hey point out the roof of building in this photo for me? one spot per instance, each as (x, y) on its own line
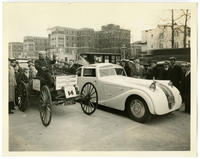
(104, 65)
(99, 53)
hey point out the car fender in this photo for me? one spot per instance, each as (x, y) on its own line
(118, 102)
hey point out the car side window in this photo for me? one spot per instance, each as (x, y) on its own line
(120, 71)
(89, 72)
(78, 72)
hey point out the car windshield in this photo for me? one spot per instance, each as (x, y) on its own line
(120, 71)
(107, 72)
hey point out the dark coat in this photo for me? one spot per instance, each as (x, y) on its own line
(186, 90)
(39, 64)
(153, 73)
(165, 74)
(176, 76)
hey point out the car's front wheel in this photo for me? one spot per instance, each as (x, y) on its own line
(137, 109)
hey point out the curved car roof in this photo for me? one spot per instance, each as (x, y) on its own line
(99, 65)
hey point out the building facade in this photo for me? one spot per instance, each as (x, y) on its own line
(68, 43)
(15, 49)
(138, 48)
(32, 45)
(112, 38)
(161, 37)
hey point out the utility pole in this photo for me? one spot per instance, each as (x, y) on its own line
(185, 29)
(172, 28)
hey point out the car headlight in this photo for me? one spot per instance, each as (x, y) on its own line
(170, 84)
(153, 86)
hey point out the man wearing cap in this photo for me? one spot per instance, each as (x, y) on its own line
(153, 72)
(139, 71)
(186, 89)
(32, 70)
(165, 73)
(42, 66)
(12, 85)
(176, 73)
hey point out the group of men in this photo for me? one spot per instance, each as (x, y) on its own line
(170, 71)
(43, 69)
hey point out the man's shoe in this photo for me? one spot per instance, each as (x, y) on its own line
(13, 108)
(11, 112)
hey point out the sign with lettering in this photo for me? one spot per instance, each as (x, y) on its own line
(36, 84)
(70, 91)
(63, 81)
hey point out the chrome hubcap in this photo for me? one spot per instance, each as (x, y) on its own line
(137, 108)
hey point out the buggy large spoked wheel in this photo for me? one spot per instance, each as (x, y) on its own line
(22, 97)
(45, 107)
(89, 99)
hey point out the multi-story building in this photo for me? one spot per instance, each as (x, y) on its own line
(32, 45)
(68, 43)
(138, 48)
(161, 37)
(112, 38)
(15, 49)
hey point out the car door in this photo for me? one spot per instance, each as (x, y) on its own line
(86, 75)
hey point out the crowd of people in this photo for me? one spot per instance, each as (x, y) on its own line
(170, 70)
(44, 68)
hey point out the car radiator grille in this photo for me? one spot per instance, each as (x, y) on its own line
(169, 95)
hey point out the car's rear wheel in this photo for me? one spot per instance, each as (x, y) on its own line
(137, 109)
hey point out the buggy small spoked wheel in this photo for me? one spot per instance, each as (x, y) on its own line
(22, 99)
(89, 98)
(45, 107)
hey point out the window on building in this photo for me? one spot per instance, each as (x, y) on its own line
(176, 45)
(151, 46)
(176, 33)
(161, 35)
(161, 45)
(152, 35)
(188, 43)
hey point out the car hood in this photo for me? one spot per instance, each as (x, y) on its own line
(130, 82)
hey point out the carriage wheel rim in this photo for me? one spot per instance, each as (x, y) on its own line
(137, 108)
(89, 95)
(45, 109)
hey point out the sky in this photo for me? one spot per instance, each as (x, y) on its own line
(33, 19)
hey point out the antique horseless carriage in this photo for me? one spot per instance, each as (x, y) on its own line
(64, 91)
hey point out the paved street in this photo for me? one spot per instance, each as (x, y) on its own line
(105, 130)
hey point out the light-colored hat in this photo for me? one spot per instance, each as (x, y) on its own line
(172, 58)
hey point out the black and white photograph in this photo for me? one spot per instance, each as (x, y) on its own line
(99, 77)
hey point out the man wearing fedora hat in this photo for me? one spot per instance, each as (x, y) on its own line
(186, 88)
(176, 73)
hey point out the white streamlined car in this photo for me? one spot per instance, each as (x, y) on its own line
(108, 85)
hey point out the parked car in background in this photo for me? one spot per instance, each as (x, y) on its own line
(140, 98)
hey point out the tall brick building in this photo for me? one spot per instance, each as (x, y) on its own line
(32, 45)
(15, 49)
(111, 38)
(67, 43)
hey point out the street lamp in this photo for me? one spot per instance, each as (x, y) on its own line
(123, 49)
